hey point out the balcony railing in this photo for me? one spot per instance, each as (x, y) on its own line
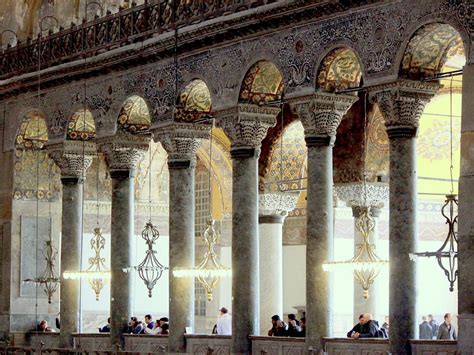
(114, 30)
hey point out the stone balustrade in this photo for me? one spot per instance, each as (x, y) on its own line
(99, 342)
(208, 344)
(146, 343)
(277, 345)
(349, 346)
(433, 347)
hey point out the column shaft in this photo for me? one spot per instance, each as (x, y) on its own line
(71, 234)
(182, 240)
(245, 285)
(319, 244)
(403, 229)
(122, 230)
(271, 269)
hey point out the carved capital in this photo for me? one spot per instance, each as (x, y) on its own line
(247, 125)
(72, 157)
(123, 151)
(402, 103)
(181, 141)
(358, 194)
(277, 203)
(321, 114)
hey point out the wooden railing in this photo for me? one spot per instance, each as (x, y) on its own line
(114, 30)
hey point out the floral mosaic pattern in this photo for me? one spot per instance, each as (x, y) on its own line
(263, 83)
(134, 115)
(194, 102)
(340, 70)
(33, 132)
(377, 156)
(81, 126)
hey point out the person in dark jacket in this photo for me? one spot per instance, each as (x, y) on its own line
(356, 328)
(368, 328)
(294, 328)
(426, 332)
(279, 328)
(434, 325)
(303, 327)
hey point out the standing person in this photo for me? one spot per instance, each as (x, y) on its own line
(149, 322)
(293, 326)
(426, 332)
(386, 324)
(224, 322)
(446, 330)
(279, 327)
(434, 325)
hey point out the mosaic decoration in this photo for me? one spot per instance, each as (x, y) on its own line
(33, 132)
(81, 126)
(377, 155)
(340, 70)
(292, 163)
(428, 50)
(134, 115)
(263, 83)
(194, 102)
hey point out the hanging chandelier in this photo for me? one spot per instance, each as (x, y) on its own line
(49, 279)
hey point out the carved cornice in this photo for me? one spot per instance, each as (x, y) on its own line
(321, 114)
(247, 125)
(278, 204)
(181, 141)
(402, 103)
(123, 151)
(358, 194)
(72, 157)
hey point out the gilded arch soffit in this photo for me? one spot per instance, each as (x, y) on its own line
(134, 115)
(194, 102)
(339, 70)
(33, 132)
(262, 83)
(81, 126)
(428, 50)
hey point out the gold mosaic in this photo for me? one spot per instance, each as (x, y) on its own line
(134, 115)
(81, 126)
(263, 83)
(339, 70)
(194, 102)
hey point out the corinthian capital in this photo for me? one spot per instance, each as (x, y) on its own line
(276, 204)
(123, 151)
(181, 141)
(247, 125)
(72, 157)
(402, 103)
(321, 114)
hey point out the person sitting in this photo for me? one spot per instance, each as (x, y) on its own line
(136, 325)
(356, 328)
(149, 322)
(368, 328)
(105, 328)
(224, 322)
(302, 333)
(279, 328)
(43, 327)
(293, 326)
(165, 329)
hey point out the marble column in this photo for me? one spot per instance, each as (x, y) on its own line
(122, 153)
(273, 208)
(402, 103)
(246, 125)
(181, 141)
(360, 196)
(73, 158)
(466, 224)
(320, 114)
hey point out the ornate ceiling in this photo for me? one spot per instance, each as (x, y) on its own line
(81, 126)
(194, 102)
(262, 83)
(134, 115)
(428, 50)
(33, 132)
(340, 70)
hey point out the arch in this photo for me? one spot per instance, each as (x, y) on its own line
(194, 102)
(134, 115)
(262, 83)
(339, 69)
(33, 131)
(81, 126)
(428, 48)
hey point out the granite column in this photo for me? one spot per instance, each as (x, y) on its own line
(402, 104)
(73, 159)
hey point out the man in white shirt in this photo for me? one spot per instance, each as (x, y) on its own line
(224, 322)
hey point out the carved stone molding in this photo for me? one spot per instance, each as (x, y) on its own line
(402, 103)
(72, 157)
(181, 141)
(321, 113)
(247, 124)
(358, 194)
(123, 151)
(280, 204)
